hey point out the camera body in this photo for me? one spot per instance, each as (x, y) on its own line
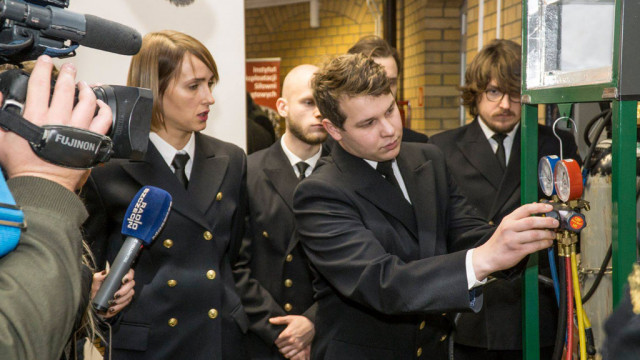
(31, 28)
(131, 108)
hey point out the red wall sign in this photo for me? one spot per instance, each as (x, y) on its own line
(263, 80)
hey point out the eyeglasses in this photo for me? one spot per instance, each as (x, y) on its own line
(495, 95)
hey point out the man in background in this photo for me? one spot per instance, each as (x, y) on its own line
(281, 309)
(386, 56)
(484, 159)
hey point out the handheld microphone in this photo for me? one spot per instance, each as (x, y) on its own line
(144, 219)
(89, 30)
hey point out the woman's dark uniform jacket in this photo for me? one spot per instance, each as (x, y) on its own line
(387, 270)
(185, 306)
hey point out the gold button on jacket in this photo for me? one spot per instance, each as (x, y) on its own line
(211, 274)
(213, 313)
(167, 243)
(207, 235)
(173, 322)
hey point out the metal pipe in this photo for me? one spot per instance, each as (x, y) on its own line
(480, 24)
(314, 13)
(373, 9)
(389, 16)
(498, 17)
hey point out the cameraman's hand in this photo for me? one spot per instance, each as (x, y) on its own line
(16, 155)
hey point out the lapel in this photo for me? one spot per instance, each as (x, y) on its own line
(153, 170)
(511, 180)
(418, 178)
(370, 185)
(207, 175)
(280, 174)
(475, 147)
(288, 182)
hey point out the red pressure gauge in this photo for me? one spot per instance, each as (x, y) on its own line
(568, 180)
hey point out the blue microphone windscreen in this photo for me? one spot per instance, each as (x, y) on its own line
(146, 214)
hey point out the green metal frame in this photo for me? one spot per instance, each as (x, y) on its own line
(624, 119)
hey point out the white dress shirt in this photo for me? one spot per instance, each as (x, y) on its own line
(168, 152)
(294, 159)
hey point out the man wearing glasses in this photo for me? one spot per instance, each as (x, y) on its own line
(484, 159)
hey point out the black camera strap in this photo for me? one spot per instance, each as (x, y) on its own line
(58, 144)
(17, 124)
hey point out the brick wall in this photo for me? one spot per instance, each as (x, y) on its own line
(431, 45)
(284, 31)
(431, 51)
(510, 23)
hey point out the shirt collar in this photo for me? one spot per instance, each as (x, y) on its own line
(488, 133)
(294, 159)
(168, 152)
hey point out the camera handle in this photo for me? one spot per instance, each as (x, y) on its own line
(58, 144)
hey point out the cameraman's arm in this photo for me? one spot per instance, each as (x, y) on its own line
(40, 287)
(40, 280)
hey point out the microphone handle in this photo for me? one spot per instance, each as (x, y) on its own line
(118, 270)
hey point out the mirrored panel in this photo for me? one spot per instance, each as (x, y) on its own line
(569, 42)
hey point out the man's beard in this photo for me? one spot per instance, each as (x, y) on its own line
(315, 139)
(501, 129)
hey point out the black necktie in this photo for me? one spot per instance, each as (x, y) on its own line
(302, 168)
(384, 168)
(179, 163)
(500, 155)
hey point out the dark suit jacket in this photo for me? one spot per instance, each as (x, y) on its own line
(272, 252)
(196, 248)
(260, 133)
(409, 135)
(623, 329)
(475, 168)
(387, 270)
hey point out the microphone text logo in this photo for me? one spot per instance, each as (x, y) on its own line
(134, 220)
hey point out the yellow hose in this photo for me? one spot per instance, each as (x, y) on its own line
(578, 301)
(585, 318)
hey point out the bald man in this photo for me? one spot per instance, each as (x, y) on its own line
(280, 298)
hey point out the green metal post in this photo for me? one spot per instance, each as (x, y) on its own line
(623, 234)
(529, 194)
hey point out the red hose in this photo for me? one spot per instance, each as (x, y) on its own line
(569, 309)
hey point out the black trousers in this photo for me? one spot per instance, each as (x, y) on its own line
(462, 352)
